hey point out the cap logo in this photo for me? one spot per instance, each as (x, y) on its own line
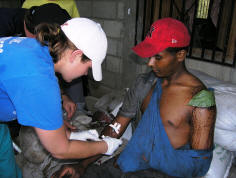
(174, 41)
(150, 31)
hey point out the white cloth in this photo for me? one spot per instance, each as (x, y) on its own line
(85, 135)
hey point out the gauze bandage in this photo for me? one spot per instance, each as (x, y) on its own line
(116, 127)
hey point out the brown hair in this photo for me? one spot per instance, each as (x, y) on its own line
(52, 36)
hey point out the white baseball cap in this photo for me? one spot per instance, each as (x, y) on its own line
(89, 37)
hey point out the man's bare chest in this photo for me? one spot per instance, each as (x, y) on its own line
(174, 109)
(173, 106)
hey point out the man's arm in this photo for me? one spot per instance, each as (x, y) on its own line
(203, 124)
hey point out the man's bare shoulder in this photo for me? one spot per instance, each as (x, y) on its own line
(191, 84)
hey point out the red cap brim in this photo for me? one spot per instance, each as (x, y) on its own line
(146, 50)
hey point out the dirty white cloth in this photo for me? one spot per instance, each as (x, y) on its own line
(91, 134)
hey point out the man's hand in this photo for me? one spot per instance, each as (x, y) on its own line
(69, 106)
(72, 171)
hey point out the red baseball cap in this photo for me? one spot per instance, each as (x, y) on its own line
(164, 33)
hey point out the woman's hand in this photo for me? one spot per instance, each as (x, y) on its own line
(69, 106)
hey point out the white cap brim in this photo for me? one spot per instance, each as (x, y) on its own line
(97, 70)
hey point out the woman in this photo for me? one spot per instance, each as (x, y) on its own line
(29, 90)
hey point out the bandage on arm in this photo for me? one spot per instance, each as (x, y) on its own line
(117, 127)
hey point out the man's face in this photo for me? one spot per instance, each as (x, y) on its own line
(163, 64)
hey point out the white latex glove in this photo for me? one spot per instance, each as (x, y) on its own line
(85, 135)
(112, 144)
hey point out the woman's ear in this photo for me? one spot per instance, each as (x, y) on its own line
(181, 55)
(76, 53)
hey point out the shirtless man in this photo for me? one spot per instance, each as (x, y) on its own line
(175, 133)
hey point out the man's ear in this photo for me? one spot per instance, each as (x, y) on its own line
(181, 55)
(75, 53)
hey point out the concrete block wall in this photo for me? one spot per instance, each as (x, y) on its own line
(121, 66)
(117, 17)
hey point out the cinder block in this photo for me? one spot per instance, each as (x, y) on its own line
(115, 47)
(119, 48)
(111, 80)
(121, 10)
(113, 28)
(112, 46)
(113, 64)
(85, 8)
(104, 9)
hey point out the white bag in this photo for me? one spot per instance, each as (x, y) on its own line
(221, 163)
(225, 138)
(226, 112)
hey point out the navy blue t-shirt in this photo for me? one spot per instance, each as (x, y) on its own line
(29, 89)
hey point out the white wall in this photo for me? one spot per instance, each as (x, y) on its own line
(220, 72)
